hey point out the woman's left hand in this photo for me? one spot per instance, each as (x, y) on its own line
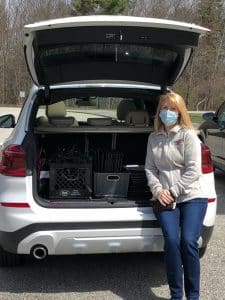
(164, 196)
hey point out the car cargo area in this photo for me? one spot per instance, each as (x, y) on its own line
(91, 168)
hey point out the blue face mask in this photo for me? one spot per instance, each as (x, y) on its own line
(168, 117)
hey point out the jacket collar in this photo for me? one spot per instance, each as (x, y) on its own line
(174, 130)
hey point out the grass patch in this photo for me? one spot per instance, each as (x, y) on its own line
(196, 118)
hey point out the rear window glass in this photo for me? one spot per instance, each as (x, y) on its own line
(106, 61)
(97, 107)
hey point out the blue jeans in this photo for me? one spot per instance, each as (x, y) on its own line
(181, 229)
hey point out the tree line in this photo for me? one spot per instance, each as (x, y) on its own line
(203, 81)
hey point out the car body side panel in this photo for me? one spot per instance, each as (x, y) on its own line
(215, 139)
(208, 185)
(213, 129)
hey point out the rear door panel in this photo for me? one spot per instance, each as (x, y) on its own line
(109, 48)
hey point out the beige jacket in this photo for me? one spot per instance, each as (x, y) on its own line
(173, 162)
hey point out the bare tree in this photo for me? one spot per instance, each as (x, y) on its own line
(3, 49)
(14, 15)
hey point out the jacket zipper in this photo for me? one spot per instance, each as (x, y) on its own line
(170, 166)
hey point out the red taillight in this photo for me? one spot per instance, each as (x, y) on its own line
(13, 161)
(210, 200)
(15, 204)
(207, 164)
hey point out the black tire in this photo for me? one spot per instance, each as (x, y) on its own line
(202, 251)
(9, 259)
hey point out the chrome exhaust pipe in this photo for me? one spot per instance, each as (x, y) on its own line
(39, 252)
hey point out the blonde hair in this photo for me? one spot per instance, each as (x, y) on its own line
(177, 101)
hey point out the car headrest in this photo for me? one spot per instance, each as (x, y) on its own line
(56, 110)
(124, 107)
(137, 118)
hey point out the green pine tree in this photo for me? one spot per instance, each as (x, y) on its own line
(87, 7)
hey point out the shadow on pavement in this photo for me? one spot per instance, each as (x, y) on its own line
(130, 276)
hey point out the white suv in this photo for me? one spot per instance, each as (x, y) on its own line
(72, 174)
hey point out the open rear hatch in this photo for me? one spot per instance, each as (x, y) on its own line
(120, 48)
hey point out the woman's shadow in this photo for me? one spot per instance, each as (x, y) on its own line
(129, 276)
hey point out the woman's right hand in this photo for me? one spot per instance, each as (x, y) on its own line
(164, 196)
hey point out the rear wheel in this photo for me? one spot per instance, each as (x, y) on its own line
(9, 259)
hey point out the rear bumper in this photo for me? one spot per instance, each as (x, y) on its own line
(90, 238)
(53, 235)
(66, 243)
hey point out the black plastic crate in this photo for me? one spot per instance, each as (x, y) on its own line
(111, 184)
(70, 180)
(138, 187)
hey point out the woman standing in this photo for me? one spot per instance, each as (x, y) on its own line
(173, 169)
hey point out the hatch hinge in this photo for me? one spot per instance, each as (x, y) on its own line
(164, 89)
